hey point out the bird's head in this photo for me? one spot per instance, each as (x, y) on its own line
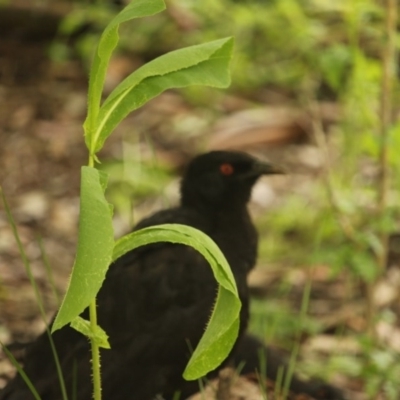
(220, 178)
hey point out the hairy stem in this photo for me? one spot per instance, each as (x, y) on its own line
(95, 353)
(94, 346)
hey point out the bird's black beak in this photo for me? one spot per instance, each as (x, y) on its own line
(262, 168)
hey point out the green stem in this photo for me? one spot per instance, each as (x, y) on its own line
(389, 58)
(91, 160)
(94, 346)
(95, 353)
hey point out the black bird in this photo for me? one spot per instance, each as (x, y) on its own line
(156, 300)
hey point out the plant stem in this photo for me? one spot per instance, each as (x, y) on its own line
(95, 353)
(321, 141)
(389, 59)
(94, 346)
(91, 160)
(344, 223)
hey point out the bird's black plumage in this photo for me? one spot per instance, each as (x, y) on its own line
(156, 300)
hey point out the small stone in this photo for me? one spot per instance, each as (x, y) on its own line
(33, 205)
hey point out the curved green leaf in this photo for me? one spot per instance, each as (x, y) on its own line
(108, 42)
(95, 246)
(219, 336)
(205, 64)
(222, 329)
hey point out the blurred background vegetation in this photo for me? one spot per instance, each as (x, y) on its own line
(307, 79)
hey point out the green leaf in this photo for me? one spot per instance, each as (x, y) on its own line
(95, 246)
(94, 333)
(205, 64)
(107, 43)
(222, 329)
(218, 338)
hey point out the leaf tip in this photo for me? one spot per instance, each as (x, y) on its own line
(56, 325)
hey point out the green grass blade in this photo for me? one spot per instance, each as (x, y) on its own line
(37, 294)
(20, 370)
(290, 370)
(49, 272)
(23, 255)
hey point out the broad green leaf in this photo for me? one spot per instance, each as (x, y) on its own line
(178, 60)
(94, 333)
(205, 64)
(222, 329)
(108, 42)
(95, 246)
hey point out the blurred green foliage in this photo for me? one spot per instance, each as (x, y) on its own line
(132, 180)
(280, 43)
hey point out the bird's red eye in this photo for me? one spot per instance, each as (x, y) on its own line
(226, 169)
